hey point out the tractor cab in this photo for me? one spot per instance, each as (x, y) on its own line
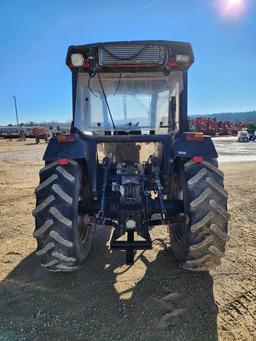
(129, 87)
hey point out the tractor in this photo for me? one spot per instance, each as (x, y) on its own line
(130, 162)
(41, 134)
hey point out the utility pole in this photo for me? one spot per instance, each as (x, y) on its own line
(16, 110)
(17, 119)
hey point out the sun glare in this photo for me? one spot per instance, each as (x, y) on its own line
(232, 8)
(234, 3)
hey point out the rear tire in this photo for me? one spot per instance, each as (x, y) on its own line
(63, 238)
(199, 244)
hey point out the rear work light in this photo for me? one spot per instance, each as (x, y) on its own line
(62, 138)
(182, 58)
(77, 59)
(198, 136)
(179, 59)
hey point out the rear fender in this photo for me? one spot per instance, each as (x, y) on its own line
(76, 150)
(185, 148)
(68, 150)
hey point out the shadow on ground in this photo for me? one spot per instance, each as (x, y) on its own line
(162, 302)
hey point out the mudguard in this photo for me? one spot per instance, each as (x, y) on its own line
(70, 150)
(78, 149)
(185, 148)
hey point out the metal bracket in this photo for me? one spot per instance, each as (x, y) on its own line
(130, 245)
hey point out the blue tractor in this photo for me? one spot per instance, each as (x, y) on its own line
(130, 161)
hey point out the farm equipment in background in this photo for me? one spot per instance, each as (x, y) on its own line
(12, 133)
(207, 126)
(130, 162)
(41, 134)
(212, 127)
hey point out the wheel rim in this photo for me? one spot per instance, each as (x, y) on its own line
(179, 229)
(83, 228)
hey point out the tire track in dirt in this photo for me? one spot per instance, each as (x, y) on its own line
(240, 314)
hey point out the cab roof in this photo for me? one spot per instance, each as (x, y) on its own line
(168, 48)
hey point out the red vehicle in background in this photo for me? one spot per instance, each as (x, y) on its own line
(210, 126)
(206, 125)
(41, 134)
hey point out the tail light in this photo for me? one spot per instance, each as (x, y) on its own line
(198, 159)
(86, 63)
(173, 63)
(63, 161)
(197, 136)
(63, 138)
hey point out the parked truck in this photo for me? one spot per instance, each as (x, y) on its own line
(243, 136)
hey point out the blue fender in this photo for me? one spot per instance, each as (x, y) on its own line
(185, 148)
(78, 149)
(70, 150)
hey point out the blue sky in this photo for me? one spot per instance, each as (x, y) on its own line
(35, 34)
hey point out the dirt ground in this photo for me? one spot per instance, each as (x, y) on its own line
(107, 300)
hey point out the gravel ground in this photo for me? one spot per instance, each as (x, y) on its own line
(107, 300)
(230, 150)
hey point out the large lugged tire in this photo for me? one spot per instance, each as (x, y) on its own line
(62, 236)
(200, 243)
